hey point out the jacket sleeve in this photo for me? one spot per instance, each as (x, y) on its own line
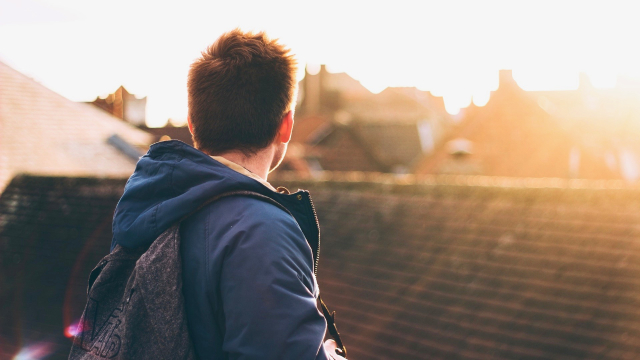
(269, 292)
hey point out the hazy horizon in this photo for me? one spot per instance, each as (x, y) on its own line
(454, 49)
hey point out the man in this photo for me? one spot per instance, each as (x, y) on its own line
(248, 265)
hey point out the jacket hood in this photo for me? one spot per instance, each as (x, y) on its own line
(171, 181)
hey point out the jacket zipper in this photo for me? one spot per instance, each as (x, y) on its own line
(315, 217)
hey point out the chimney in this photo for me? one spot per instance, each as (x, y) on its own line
(313, 91)
(505, 78)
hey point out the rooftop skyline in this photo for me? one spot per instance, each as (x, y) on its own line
(454, 49)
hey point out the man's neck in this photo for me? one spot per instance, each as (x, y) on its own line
(258, 164)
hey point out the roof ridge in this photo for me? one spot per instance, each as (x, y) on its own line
(82, 105)
(484, 181)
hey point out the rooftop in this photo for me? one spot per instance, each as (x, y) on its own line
(416, 266)
(514, 134)
(480, 268)
(42, 132)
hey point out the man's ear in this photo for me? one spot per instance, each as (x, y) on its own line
(284, 134)
(190, 125)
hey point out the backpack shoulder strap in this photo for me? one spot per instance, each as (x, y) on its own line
(240, 193)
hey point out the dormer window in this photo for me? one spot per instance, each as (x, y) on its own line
(460, 147)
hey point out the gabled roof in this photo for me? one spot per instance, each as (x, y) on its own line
(341, 82)
(45, 133)
(342, 149)
(384, 132)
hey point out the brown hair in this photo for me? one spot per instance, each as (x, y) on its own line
(239, 91)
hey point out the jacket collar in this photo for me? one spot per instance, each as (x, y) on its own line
(242, 170)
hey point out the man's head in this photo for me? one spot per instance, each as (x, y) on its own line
(241, 90)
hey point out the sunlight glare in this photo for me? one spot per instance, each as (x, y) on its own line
(452, 109)
(302, 71)
(155, 122)
(178, 122)
(313, 69)
(455, 101)
(334, 69)
(72, 330)
(546, 78)
(453, 51)
(375, 86)
(34, 352)
(481, 98)
(602, 79)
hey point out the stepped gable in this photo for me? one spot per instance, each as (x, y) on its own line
(53, 231)
(42, 132)
(513, 135)
(502, 269)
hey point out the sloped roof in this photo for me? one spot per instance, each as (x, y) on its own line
(344, 150)
(439, 267)
(45, 133)
(392, 144)
(384, 131)
(432, 102)
(364, 146)
(481, 272)
(392, 105)
(310, 129)
(349, 87)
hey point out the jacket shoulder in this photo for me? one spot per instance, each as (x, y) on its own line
(251, 209)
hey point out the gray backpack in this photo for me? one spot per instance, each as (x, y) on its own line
(135, 306)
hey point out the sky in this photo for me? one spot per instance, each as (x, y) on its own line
(85, 48)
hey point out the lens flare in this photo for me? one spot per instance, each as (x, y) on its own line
(34, 352)
(72, 330)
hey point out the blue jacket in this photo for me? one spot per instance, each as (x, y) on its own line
(248, 266)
